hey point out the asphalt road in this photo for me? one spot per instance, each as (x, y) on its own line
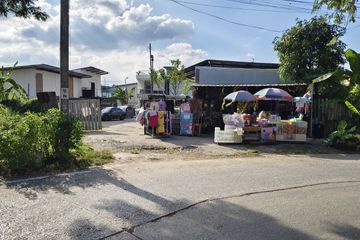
(268, 197)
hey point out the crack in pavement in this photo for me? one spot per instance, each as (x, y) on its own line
(173, 213)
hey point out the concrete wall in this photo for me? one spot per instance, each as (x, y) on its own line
(26, 79)
(86, 82)
(216, 75)
(51, 82)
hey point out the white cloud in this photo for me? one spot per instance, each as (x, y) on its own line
(108, 24)
(109, 34)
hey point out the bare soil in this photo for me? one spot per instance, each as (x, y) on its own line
(128, 142)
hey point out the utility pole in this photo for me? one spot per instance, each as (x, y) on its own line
(151, 68)
(126, 91)
(64, 55)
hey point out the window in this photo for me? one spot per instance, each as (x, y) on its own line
(147, 85)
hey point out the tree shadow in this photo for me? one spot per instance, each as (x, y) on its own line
(219, 220)
(346, 231)
(92, 178)
(86, 229)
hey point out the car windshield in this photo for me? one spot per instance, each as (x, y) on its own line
(106, 110)
(123, 108)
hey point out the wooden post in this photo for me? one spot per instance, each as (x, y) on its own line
(64, 55)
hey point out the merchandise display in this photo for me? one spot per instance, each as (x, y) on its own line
(292, 130)
(186, 123)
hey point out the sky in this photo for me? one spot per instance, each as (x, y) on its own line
(113, 35)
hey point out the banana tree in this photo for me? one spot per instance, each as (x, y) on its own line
(9, 89)
(348, 78)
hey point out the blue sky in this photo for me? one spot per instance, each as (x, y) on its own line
(114, 34)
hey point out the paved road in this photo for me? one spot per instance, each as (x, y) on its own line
(269, 197)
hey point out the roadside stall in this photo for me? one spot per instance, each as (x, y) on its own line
(265, 127)
(234, 123)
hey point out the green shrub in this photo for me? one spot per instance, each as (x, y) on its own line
(31, 141)
(24, 144)
(22, 106)
(65, 134)
(344, 138)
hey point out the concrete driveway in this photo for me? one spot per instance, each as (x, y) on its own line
(261, 197)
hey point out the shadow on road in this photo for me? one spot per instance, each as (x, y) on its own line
(64, 183)
(346, 231)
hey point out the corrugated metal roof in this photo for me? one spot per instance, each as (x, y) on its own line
(251, 85)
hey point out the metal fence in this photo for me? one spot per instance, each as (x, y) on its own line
(88, 111)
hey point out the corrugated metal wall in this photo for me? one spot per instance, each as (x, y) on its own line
(212, 75)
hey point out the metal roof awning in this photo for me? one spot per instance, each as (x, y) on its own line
(251, 85)
(95, 70)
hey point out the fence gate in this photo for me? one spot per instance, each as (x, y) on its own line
(87, 111)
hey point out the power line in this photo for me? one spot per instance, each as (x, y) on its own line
(234, 8)
(270, 5)
(224, 19)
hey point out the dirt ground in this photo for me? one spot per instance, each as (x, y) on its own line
(128, 142)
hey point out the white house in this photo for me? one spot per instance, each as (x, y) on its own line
(46, 78)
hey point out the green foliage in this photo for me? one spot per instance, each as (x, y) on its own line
(175, 76)
(22, 106)
(343, 10)
(344, 138)
(86, 156)
(352, 108)
(348, 81)
(64, 134)
(9, 89)
(22, 8)
(31, 141)
(304, 52)
(123, 95)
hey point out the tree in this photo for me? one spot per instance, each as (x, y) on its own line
(9, 89)
(123, 95)
(22, 8)
(304, 52)
(344, 10)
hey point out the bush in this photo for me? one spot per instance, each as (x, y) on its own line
(343, 138)
(64, 132)
(31, 141)
(22, 106)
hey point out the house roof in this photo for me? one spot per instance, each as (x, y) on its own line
(49, 68)
(190, 71)
(94, 70)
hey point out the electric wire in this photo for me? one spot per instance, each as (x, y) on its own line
(224, 19)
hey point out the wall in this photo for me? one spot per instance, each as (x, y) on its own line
(86, 82)
(26, 79)
(216, 75)
(51, 82)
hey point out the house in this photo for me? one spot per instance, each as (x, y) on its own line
(84, 82)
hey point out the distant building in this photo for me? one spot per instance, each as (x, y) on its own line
(108, 90)
(84, 82)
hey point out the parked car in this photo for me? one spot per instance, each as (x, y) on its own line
(130, 111)
(112, 113)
